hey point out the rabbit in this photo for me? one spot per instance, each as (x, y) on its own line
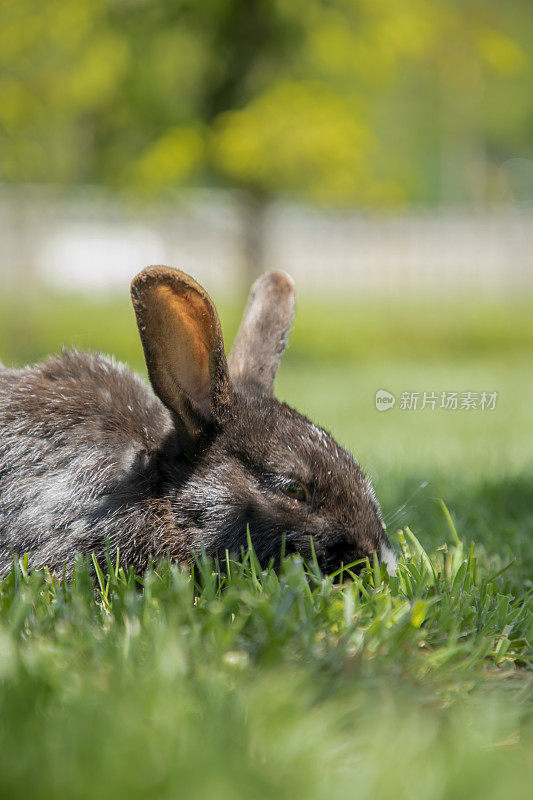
(93, 461)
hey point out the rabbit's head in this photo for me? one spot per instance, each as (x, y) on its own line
(242, 458)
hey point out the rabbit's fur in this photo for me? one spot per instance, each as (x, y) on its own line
(91, 458)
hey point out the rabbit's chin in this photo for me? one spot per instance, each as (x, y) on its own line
(389, 558)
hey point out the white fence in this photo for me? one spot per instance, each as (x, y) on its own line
(92, 240)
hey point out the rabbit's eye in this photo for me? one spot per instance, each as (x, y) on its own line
(294, 490)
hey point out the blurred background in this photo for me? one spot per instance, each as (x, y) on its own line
(363, 144)
(381, 151)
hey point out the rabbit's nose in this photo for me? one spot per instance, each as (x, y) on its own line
(388, 557)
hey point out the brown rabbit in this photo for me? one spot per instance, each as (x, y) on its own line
(91, 458)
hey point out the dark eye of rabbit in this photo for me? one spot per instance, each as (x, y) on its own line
(295, 490)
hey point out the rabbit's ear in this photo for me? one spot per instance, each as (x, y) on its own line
(264, 330)
(183, 346)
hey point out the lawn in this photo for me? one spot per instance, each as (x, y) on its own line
(242, 683)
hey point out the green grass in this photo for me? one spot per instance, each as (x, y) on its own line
(366, 330)
(258, 685)
(241, 683)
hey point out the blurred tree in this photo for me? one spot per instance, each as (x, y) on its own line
(338, 102)
(470, 108)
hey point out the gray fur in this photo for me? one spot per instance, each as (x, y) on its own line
(90, 457)
(264, 331)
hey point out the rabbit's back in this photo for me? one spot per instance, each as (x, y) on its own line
(75, 432)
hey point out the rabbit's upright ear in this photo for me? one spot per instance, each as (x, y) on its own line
(183, 346)
(264, 331)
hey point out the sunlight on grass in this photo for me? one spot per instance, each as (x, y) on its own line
(288, 683)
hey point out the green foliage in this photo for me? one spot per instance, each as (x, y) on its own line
(351, 101)
(318, 141)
